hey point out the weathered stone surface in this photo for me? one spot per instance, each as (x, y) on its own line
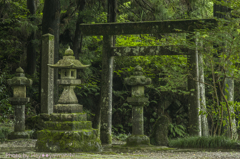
(137, 120)
(47, 74)
(68, 62)
(18, 101)
(36, 123)
(137, 101)
(148, 50)
(68, 125)
(68, 141)
(137, 79)
(19, 135)
(68, 96)
(138, 140)
(68, 108)
(160, 132)
(151, 27)
(68, 131)
(69, 82)
(68, 117)
(19, 80)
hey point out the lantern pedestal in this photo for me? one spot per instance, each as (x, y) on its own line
(68, 129)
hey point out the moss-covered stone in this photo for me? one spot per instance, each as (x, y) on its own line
(36, 123)
(68, 125)
(68, 117)
(160, 132)
(136, 140)
(68, 141)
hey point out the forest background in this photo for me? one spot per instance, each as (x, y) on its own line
(20, 44)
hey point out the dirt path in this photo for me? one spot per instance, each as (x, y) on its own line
(25, 149)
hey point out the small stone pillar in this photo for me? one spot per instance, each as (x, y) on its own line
(68, 129)
(18, 101)
(137, 81)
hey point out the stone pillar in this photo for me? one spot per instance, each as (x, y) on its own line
(193, 86)
(137, 81)
(47, 74)
(19, 100)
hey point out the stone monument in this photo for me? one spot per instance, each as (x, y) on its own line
(47, 74)
(18, 101)
(68, 129)
(159, 135)
(137, 81)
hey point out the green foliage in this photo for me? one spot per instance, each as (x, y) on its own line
(203, 142)
(6, 108)
(4, 131)
(121, 137)
(176, 131)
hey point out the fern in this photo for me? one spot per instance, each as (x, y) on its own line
(177, 131)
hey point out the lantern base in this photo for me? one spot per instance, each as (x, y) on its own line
(84, 140)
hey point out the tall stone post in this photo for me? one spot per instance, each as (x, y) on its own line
(137, 81)
(19, 100)
(47, 74)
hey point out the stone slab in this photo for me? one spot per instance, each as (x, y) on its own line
(68, 108)
(68, 117)
(68, 141)
(68, 125)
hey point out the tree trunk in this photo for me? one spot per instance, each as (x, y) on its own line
(31, 52)
(50, 24)
(204, 121)
(229, 131)
(193, 87)
(106, 82)
(77, 38)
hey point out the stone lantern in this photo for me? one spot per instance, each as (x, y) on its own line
(19, 100)
(68, 129)
(137, 81)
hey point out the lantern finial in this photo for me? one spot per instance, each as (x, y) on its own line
(69, 52)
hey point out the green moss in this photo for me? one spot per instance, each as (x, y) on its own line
(68, 141)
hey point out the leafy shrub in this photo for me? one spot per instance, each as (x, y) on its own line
(176, 131)
(203, 142)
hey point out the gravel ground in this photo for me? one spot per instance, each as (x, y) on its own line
(17, 146)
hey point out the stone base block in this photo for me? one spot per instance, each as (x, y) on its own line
(68, 108)
(68, 117)
(138, 140)
(84, 140)
(19, 135)
(68, 125)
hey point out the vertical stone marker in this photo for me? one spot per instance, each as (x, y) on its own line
(47, 74)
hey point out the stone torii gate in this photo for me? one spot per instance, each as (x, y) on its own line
(162, 27)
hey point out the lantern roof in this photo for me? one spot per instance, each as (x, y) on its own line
(68, 61)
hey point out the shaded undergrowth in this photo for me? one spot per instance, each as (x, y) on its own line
(204, 142)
